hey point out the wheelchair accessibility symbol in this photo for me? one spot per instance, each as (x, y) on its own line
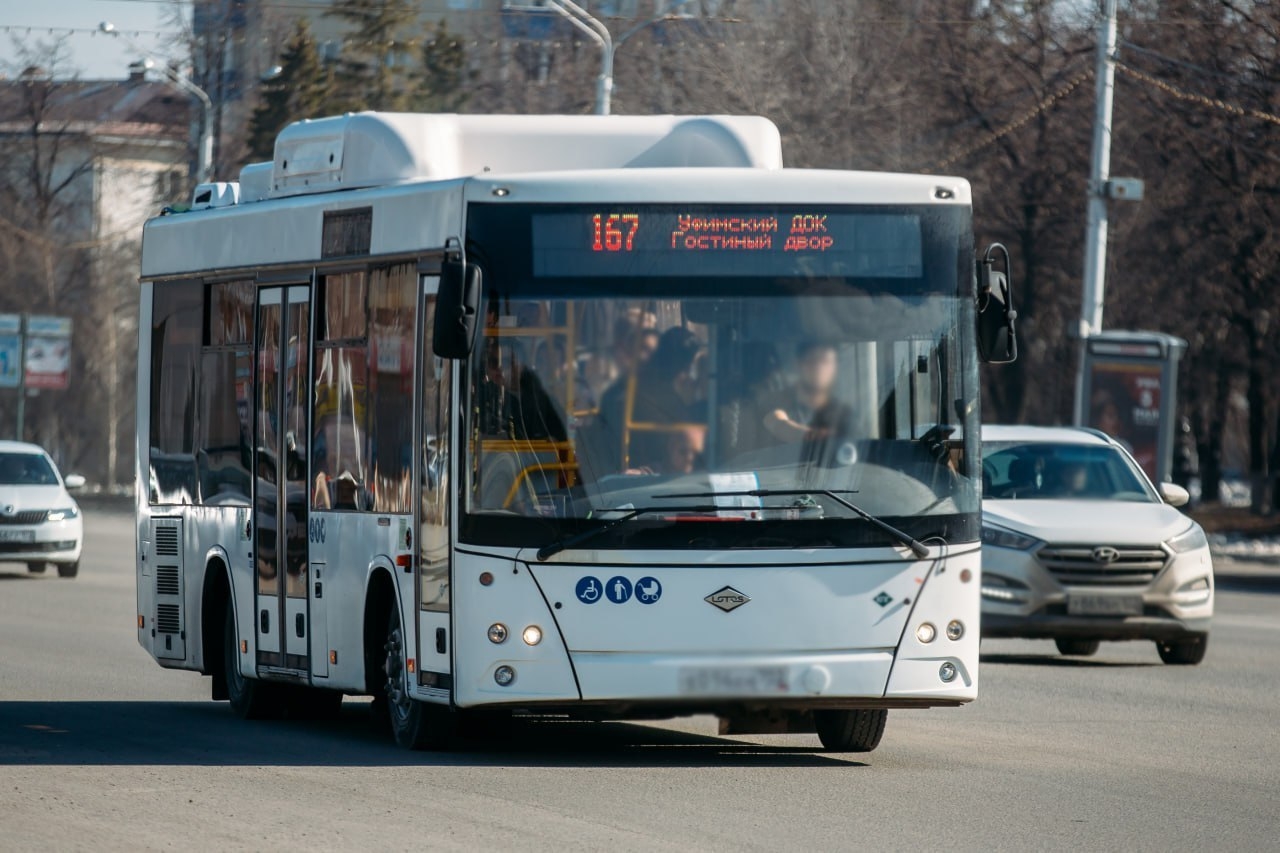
(648, 590)
(589, 590)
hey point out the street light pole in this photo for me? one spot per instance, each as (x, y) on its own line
(204, 151)
(599, 33)
(1095, 251)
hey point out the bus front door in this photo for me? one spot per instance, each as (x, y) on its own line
(435, 647)
(282, 382)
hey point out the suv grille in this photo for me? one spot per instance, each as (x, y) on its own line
(27, 516)
(1083, 565)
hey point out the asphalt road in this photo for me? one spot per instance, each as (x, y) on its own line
(101, 749)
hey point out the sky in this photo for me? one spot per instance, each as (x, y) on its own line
(88, 53)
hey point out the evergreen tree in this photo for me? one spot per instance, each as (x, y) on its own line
(373, 72)
(444, 75)
(302, 89)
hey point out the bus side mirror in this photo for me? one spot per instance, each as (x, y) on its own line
(997, 338)
(457, 310)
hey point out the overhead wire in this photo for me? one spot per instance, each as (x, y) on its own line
(1016, 122)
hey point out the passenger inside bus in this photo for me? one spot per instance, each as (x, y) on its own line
(514, 402)
(665, 390)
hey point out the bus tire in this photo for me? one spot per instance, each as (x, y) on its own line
(37, 568)
(251, 699)
(413, 724)
(856, 730)
(1184, 652)
(1077, 648)
(68, 570)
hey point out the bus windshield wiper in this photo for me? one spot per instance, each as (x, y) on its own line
(550, 550)
(917, 547)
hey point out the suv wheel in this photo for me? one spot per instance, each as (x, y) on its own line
(1184, 652)
(1077, 648)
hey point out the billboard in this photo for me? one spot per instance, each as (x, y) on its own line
(48, 361)
(10, 350)
(1124, 402)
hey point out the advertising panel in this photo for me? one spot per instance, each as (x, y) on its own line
(1124, 402)
(48, 353)
(10, 350)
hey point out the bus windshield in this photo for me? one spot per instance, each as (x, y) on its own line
(742, 382)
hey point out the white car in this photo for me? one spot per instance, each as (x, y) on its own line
(39, 521)
(1079, 547)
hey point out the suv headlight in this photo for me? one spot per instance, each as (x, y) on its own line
(62, 514)
(1191, 539)
(998, 537)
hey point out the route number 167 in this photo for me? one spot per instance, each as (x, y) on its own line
(615, 232)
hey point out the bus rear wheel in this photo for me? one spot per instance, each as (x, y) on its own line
(414, 724)
(251, 699)
(857, 730)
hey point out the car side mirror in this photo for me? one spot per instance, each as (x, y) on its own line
(457, 309)
(1174, 495)
(73, 482)
(997, 338)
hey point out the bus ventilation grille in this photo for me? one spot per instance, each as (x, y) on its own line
(167, 581)
(166, 541)
(168, 620)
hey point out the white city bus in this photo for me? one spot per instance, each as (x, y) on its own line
(598, 417)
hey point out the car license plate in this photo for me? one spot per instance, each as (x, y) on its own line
(1104, 605)
(17, 536)
(734, 681)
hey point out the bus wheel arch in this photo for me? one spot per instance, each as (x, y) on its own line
(413, 724)
(215, 598)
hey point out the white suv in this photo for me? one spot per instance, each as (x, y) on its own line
(39, 522)
(1080, 547)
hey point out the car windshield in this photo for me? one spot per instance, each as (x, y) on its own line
(26, 469)
(1049, 471)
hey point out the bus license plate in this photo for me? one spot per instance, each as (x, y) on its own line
(1104, 605)
(734, 681)
(17, 536)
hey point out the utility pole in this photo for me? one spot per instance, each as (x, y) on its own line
(1095, 236)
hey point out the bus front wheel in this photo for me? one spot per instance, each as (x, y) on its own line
(857, 730)
(414, 725)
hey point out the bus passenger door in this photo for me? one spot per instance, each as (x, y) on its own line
(282, 379)
(431, 510)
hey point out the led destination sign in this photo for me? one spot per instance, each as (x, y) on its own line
(670, 241)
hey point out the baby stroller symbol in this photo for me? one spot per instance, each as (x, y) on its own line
(648, 590)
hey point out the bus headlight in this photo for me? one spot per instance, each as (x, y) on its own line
(926, 632)
(532, 635)
(947, 672)
(504, 676)
(955, 629)
(497, 633)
